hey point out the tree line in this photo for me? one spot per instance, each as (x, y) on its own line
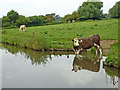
(13, 19)
(88, 10)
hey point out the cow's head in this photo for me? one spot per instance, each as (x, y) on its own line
(75, 42)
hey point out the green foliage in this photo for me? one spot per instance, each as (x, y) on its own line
(112, 59)
(0, 22)
(70, 17)
(9, 21)
(14, 20)
(115, 10)
(35, 21)
(50, 18)
(67, 17)
(12, 15)
(90, 10)
(5, 21)
(24, 39)
(52, 14)
(57, 18)
(22, 20)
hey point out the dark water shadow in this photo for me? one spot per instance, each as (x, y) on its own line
(86, 62)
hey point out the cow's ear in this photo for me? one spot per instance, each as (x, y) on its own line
(72, 39)
(81, 41)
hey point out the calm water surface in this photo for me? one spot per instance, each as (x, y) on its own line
(24, 68)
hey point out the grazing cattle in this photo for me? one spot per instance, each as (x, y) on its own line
(85, 63)
(22, 27)
(73, 21)
(86, 43)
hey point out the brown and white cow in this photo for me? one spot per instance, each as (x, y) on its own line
(22, 27)
(86, 43)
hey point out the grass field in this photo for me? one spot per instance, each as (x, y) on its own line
(60, 36)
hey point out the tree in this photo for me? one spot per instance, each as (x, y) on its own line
(67, 17)
(57, 18)
(36, 20)
(75, 15)
(70, 17)
(13, 16)
(22, 20)
(90, 10)
(50, 17)
(52, 14)
(5, 21)
(115, 11)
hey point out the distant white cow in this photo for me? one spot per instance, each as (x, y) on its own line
(22, 27)
(73, 21)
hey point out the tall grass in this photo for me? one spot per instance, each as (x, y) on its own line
(24, 39)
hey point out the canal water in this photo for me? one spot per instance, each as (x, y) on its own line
(24, 68)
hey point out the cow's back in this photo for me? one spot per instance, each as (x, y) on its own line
(88, 42)
(94, 39)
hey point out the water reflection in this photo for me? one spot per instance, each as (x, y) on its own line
(113, 73)
(59, 68)
(85, 63)
(36, 57)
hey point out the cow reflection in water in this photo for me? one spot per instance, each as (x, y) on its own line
(85, 63)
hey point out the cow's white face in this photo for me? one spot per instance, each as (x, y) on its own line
(75, 42)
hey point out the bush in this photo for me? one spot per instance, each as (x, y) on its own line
(112, 56)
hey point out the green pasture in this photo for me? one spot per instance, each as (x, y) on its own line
(60, 36)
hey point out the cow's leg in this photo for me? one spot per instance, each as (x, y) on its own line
(96, 50)
(99, 47)
(78, 56)
(77, 52)
(20, 29)
(95, 60)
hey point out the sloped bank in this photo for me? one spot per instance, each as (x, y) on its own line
(113, 59)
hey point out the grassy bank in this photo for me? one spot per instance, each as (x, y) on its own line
(60, 36)
(112, 55)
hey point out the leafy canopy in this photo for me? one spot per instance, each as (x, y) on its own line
(90, 10)
(115, 10)
(13, 15)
